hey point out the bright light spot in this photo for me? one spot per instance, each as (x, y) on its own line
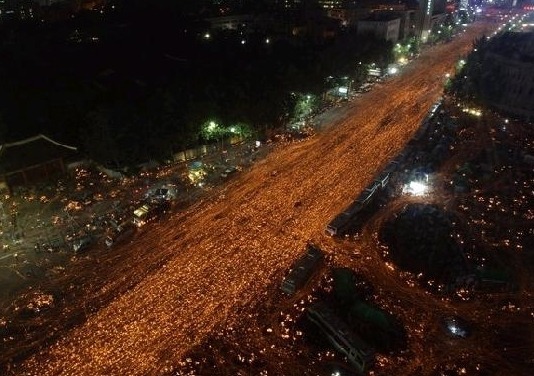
(207, 36)
(393, 70)
(258, 144)
(472, 111)
(416, 188)
(232, 129)
(243, 41)
(267, 41)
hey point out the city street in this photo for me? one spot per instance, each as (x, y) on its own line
(207, 278)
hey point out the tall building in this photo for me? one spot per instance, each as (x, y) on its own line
(508, 74)
(424, 19)
(381, 25)
(440, 6)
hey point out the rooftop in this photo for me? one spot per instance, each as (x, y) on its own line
(32, 151)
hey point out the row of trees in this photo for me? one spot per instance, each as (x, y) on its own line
(141, 92)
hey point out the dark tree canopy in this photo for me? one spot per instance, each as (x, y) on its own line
(138, 83)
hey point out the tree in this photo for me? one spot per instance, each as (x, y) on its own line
(212, 130)
(3, 130)
(99, 139)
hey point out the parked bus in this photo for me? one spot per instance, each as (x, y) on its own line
(359, 354)
(302, 270)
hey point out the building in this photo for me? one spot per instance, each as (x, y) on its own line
(408, 21)
(408, 24)
(32, 160)
(424, 19)
(508, 74)
(382, 25)
(439, 6)
(348, 17)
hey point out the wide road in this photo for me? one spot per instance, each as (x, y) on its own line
(225, 254)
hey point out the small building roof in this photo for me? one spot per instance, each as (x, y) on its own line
(19, 155)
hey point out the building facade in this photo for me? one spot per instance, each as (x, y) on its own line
(508, 78)
(424, 19)
(382, 26)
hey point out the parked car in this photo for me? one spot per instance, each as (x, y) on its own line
(229, 171)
